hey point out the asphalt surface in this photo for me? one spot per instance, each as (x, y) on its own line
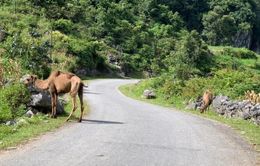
(121, 131)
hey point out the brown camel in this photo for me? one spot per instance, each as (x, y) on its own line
(60, 82)
(207, 100)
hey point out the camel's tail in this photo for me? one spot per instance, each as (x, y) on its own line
(83, 85)
(81, 89)
(80, 93)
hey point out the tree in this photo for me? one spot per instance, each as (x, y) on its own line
(228, 21)
(191, 57)
(190, 11)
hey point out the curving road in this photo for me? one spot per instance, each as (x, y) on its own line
(124, 132)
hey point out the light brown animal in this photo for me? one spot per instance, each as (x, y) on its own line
(60, 82)
(207, 99)
(252, 96)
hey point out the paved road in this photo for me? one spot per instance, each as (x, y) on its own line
(123, 132)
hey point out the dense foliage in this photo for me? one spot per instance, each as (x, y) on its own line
(13, 99)
(228, 21)
(140, 35)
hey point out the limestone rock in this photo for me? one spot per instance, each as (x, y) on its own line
(42, 101)
(149, 94)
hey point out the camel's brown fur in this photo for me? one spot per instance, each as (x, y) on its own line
(60, 82)
(207, 100)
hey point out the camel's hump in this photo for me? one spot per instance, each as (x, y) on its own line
(57, 73)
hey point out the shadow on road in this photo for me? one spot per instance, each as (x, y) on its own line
(95, 93)
(101, 121)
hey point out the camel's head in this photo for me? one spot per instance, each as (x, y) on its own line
(28, 79)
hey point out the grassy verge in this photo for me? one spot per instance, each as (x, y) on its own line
(11, 136)
(247, 129)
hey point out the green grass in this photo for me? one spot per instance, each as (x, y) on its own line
(136, 92)
(11, 136)
(226, 60)
(247, 129)
(216, 50)
(253, 64)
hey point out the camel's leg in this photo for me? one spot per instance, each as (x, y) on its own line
(202, 110)
(55, 105)
(81, 103)
(74, 102)
(201, 107)
(208, 108)
(52, 105)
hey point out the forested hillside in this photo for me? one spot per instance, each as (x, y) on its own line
(38, 36)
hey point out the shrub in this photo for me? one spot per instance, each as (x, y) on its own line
(195, 87)
(10, 71)
(12, 101)
(239, 53)
(228, 62)
(191, 57)
(235, 83)
(5, 113)
(227, 82)
(63, 25)
(87, 52)
(31, 54)
(257, 65)
(171, 88)
(64, 62)
(60, 40)
(4, 130)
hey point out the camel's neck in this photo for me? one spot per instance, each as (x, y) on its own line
(42, 84)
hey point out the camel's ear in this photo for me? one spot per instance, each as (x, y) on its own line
(34, 77)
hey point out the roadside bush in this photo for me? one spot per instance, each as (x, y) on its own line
(228, 82)
(5, 113)
(235, 83)
(12, 101)
(228, 62)
(158, 82)
(4, 130)
(195, 87)
(171, 88)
